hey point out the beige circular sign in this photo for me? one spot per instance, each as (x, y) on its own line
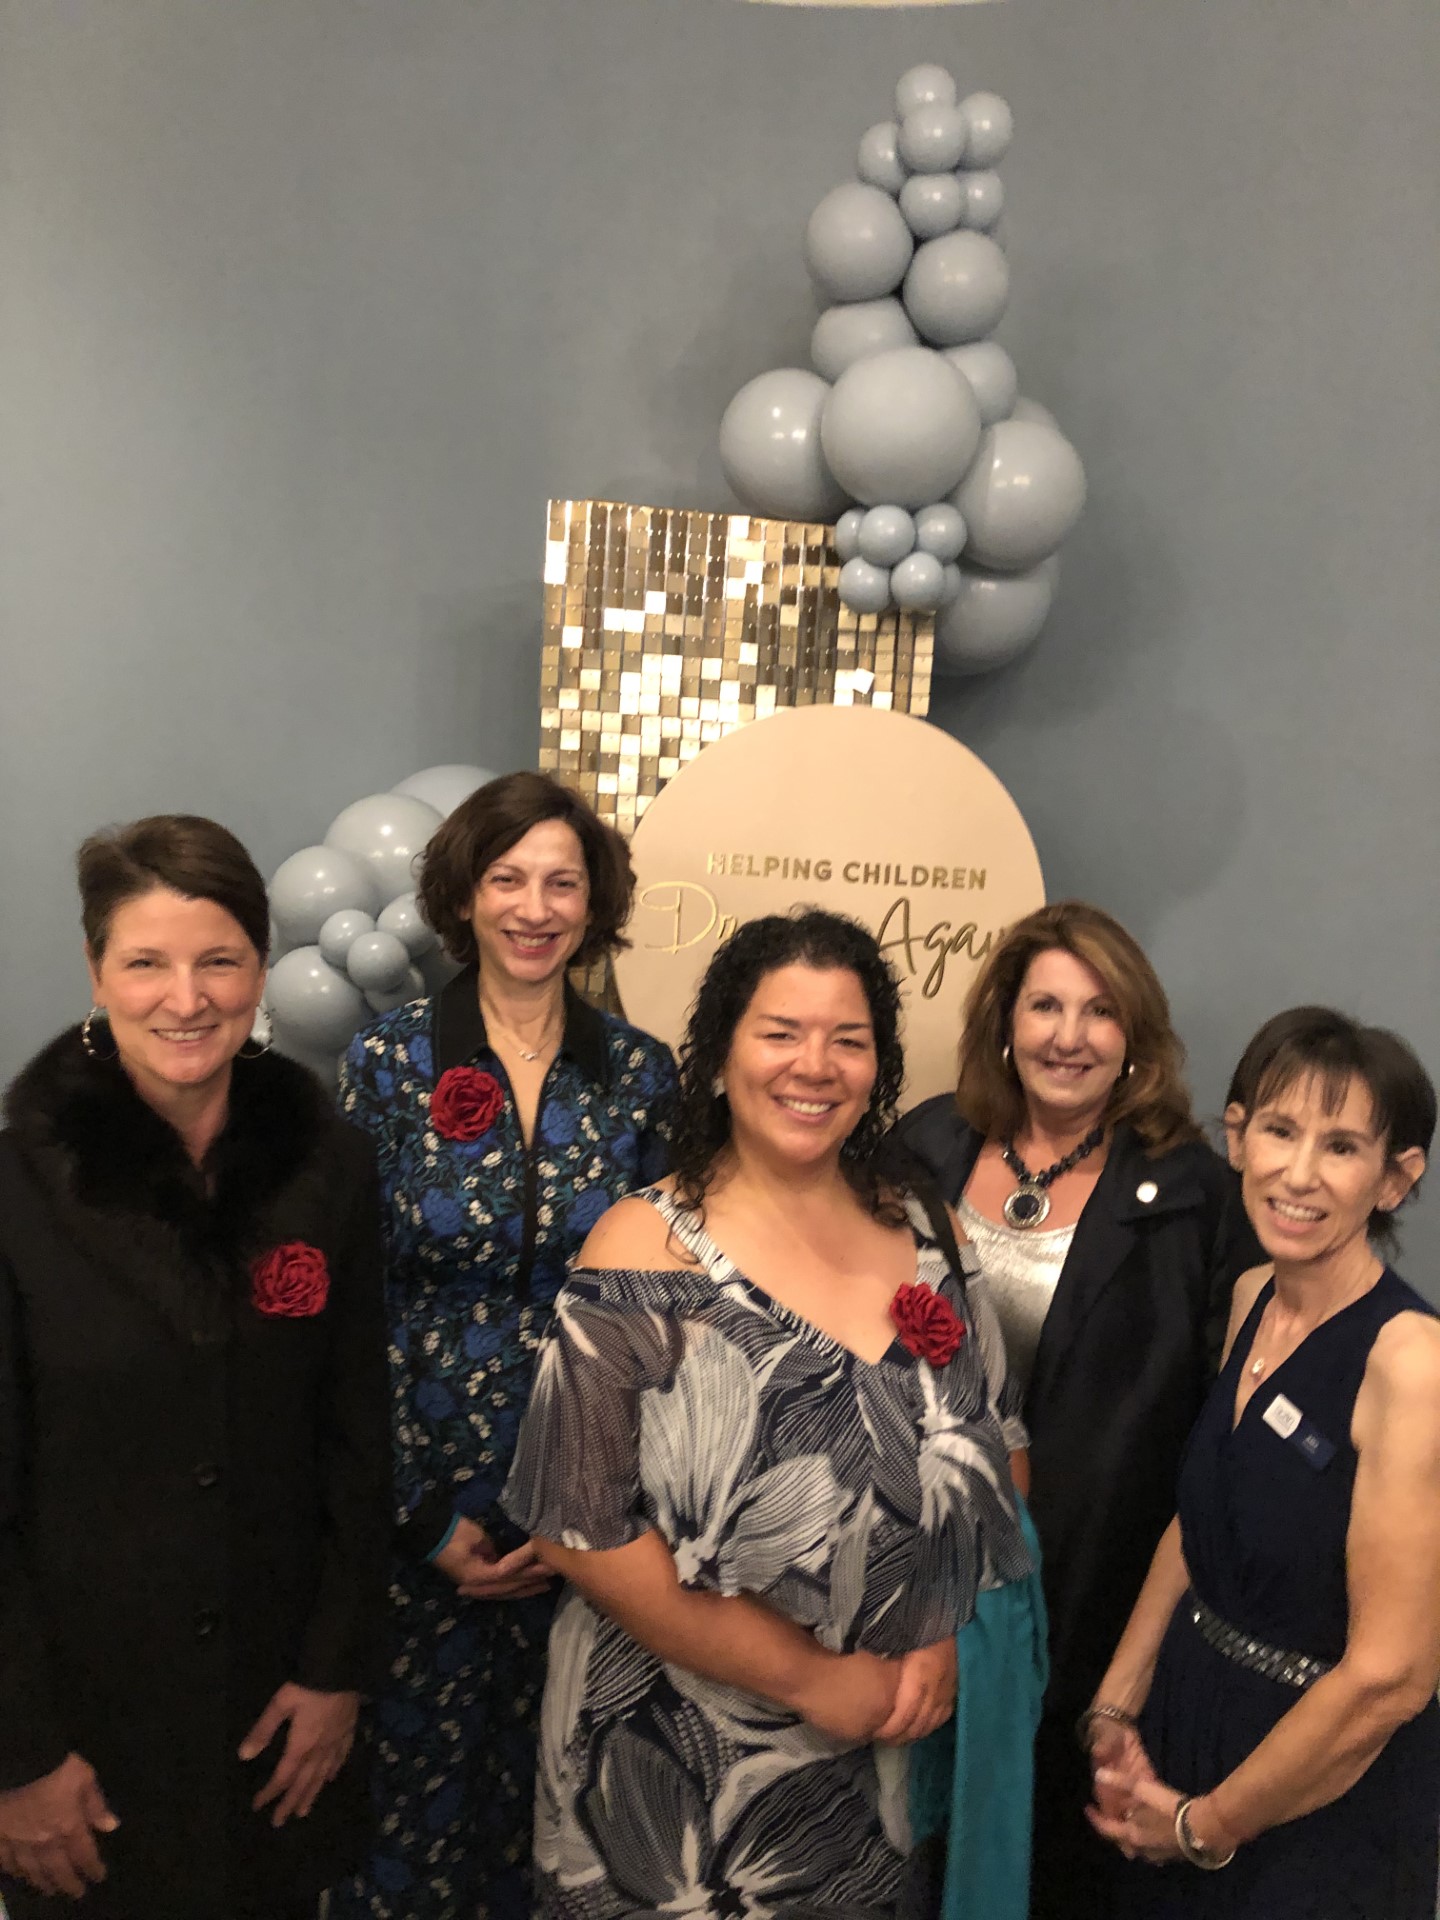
(867, 812)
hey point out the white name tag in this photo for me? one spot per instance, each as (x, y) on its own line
(1283, 1415)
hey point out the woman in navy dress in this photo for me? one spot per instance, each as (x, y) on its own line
(1270, 1717)
(508, 1115)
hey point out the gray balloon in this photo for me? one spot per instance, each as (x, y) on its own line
(312, 1003)
(940, 530)
(314, 883)
(377, 962)
(887, 534)
(917, 584)
(863, 588)
(879, 163)
(403, 918)
(444, 787)
(412, 987)
(846, 333)
(956, 288)
(983, 197)
(857, 245)
(1021, 497)
(340, 930)
(991, 373)
(388, 832)
(992, 128)
(932, 204)
(993, 618)
(953, 583)
(933, 139)
(1025, 409)
(900, 428)
(847, 533)
(770, 447)
(923, 86)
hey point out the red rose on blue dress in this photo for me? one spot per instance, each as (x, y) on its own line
(928, 1325)
(291, 1282)
(465, 1103)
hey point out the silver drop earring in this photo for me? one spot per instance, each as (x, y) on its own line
(87, 1035)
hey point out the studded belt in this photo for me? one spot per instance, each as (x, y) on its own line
(1298, 1670)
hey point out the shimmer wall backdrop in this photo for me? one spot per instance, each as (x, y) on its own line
(305, 311)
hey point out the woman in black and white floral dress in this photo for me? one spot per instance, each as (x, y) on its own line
(767, 1445)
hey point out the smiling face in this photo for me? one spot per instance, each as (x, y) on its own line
(180, 984)
(801, 1065)
(1311, 1177)
(532, 906)
(1067, 1044)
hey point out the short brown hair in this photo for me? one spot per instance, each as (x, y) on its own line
(1153, 1096)
(190, 855)
(487, 825)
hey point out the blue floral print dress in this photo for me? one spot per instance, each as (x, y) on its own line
(479, 1227)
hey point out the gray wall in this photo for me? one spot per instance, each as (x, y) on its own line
(304, 310)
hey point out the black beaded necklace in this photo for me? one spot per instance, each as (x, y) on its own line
(1029, 1204)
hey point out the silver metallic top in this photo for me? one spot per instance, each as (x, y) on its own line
(1022, 1266)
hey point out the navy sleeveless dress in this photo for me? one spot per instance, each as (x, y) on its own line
(1264, 1517)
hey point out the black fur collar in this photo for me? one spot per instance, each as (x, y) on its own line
(123, 1188)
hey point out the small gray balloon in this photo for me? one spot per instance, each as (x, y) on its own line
(940, 530)
(770, 447)
(1021, 497)
(1026, 409)
(412, 987)
(923, 86)
(846, 333)
(984, 200)
(879, 163)
(932, 139)
(311, 1003)
(314, 883)
(887, 534)
(377, 962)
(956, 288)
(993, 618)
(403, 918)
(991, 373)
(932, 204)
(863, 588)
(917, 583)
(992, 128)
(857, 245)
(340, 930)
(954, 581)
(847, 533)
(900, 428)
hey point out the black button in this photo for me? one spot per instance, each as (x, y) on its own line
(207, 1623)
(206, 1474)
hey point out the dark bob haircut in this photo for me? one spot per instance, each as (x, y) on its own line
(811, 938)
(188, 854)
(486, 826)
(1318, 1044)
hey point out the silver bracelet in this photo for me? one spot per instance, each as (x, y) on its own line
(1104, 1711)
(1190, 1847)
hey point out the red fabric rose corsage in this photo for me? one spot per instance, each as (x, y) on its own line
(465, 1103)
(929, 1326)
(291, 1282)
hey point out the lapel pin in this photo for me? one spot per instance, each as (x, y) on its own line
(1146, 1192)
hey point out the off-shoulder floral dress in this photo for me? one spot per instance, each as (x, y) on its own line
(869, 1502)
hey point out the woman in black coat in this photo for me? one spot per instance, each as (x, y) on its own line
(194, 1503)
(1111, 1236)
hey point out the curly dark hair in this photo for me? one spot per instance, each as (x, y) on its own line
(807, 937)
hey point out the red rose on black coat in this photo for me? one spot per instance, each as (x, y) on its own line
(465, 1103)
(291, 1282)
(929, 1326)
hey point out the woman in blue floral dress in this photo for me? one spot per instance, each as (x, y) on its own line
(507, 1115)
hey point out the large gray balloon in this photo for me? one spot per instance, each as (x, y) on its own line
(900, 428)
(857, 245)
(957, 287)
(1021, 497)
(770, 447)
(991, 373)
(312, 1003)
(444, 787)
(846, 333)
(879, 163)
(984, 200)
(923, 86)
(377, 962)
(314, 883)
(992, 127)
(403, 918)
(388, 831)
(932, 139)
(993, 618)
(1027, 409)
(932, 204)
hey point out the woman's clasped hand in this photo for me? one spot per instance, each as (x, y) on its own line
(48, 1829)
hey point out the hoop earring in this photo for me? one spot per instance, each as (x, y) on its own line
(87, 1036)
(1005, 1054)
(260, 1047)
(717, 1087)
(1129, 1069)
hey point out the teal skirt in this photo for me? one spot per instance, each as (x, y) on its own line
(973, 1779)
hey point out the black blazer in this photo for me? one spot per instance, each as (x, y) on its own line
(1126, 1356)
(194, 1496)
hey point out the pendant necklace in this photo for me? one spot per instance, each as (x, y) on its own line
(525, 1053)
(1029, 1204)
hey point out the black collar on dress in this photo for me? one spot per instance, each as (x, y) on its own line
(458, 1032)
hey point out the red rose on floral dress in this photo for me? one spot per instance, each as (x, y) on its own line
(465, 1103)
(929, 1326)
(291, 1282)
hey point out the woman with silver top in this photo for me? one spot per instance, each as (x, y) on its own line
(1110, 1235)
(1271, 1707)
